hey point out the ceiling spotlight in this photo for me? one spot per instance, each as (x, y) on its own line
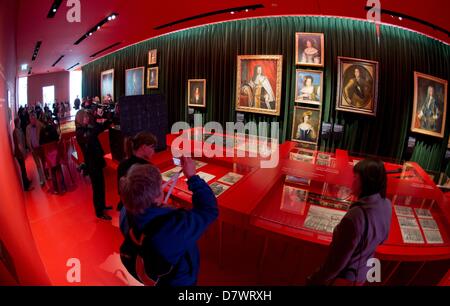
(98, 28)
(400, 18)
(54, 10)
(246, 10)
(113, 17)
(24, 67)
(90, 34)
(232, 13)
(109, 18)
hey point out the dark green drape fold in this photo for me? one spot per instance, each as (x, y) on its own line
(210, 52)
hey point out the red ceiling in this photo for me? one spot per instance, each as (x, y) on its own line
(137, 18)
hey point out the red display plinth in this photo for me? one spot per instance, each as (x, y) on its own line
(271, 223)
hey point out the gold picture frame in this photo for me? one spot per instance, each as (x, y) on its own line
(152, 83)
(102, 85)
(311, 135)
(202, 92)
(302, 95)
(357, 86)
(316, 42)
(131, 83)
(429, 109)
(263, 97)
(152, 57)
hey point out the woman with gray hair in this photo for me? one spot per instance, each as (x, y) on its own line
(160, 246)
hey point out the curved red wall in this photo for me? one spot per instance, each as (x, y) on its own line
(20, 262)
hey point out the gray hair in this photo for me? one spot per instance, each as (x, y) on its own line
(140, 188)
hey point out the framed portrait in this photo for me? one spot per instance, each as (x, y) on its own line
(197, 93)
(306, 124)
(430, 105)
(107, 84)
(152, 77)
(134, 81)
(258, 87)
(357, 86)
(309, 49)
(152, 56)
(308, 86)
(444, 180)
(294, 200)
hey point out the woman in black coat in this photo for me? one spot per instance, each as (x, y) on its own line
(140, 150)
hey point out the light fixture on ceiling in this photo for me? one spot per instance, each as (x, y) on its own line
(231, 10)
(24, 67)
(58, 60)
(54, 8)
(96, 27)
(36, 50)
(71, 67)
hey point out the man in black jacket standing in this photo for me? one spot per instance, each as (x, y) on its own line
(77, 103)
(87, 131)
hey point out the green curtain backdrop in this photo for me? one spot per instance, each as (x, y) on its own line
(210, 52)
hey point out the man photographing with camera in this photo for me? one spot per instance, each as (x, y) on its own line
(160, 246)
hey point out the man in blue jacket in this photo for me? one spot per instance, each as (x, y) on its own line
(160, 244)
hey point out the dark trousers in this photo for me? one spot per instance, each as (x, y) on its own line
(25, 181)
(98, 189)
(58, 179)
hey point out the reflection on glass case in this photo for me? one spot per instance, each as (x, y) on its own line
(419, 207)
(294, 200)
(311, 197)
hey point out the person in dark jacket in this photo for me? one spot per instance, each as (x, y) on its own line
(174, 239)
(24, 120)
(48, 133)
(77, 103)
(365, 226)
(20, 152)
(87, 131)
(49, 141)
(140, 150)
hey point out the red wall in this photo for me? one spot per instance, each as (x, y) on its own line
(58, 79)
(20, 262)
